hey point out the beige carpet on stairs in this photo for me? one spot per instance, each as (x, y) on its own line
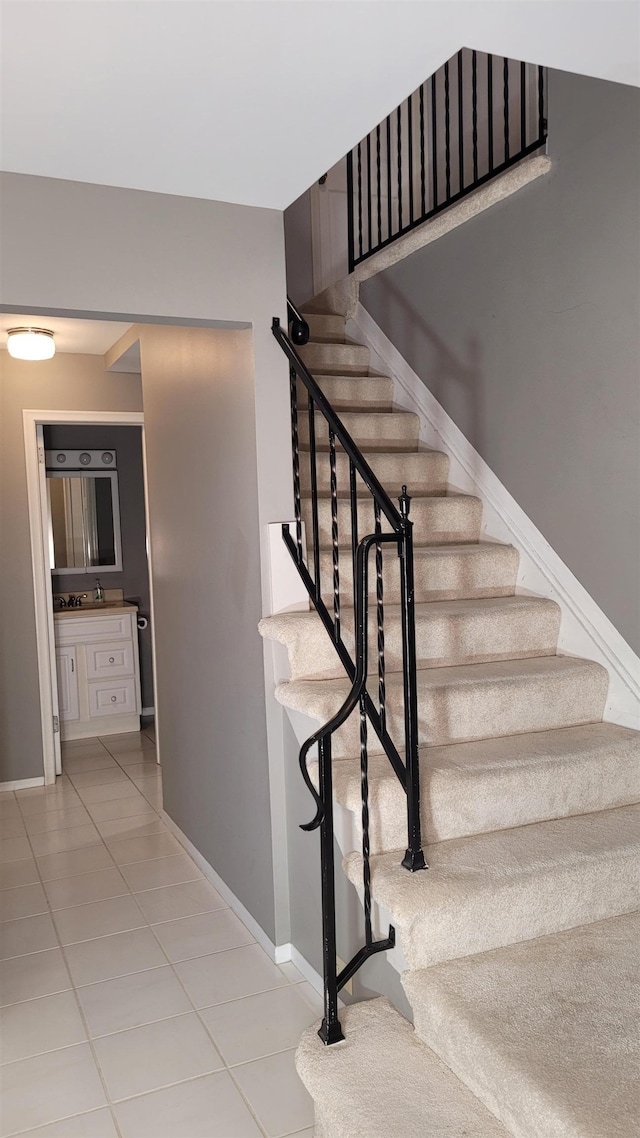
(522, 936)
(546, 1033)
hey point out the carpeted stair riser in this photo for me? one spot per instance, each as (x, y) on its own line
(545, 1033)
(491, 890)
(497, 784)
(423, 472)
(447, 633)
(474, 701)
(334, 358)
(436, 520)
(441, 573)
(382, 1082)
(380, 430)
(325, 325)
(353, 393)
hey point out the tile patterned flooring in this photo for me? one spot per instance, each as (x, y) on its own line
(133, 1002)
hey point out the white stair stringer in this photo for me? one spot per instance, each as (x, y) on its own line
(545, 1033)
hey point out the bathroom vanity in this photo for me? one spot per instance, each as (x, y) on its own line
(98, 669)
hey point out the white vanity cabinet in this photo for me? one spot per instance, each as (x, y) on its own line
(98, 671)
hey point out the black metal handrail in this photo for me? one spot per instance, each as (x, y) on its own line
(373, 712)
(474, 118)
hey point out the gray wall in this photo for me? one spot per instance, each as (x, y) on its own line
(299, 249)
(69, 383)
(134, 578)
(524, 323)
(91, 250)
(198, 392)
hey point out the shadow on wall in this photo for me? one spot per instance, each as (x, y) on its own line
(461, 375)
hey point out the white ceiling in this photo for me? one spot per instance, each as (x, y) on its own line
(85, 337)
(251, 100)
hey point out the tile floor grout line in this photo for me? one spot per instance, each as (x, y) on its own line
(210, 1034)
(76, 988)
(79, 1007)
(196, 1011)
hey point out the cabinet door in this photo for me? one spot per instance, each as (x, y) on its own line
(67, 669)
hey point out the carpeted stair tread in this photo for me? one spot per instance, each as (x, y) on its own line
(382, 1082)
(441, 572)
(352, 393)
(325, 325)
(497, 784)
(422, 471)
(447, 633)
(380, 429)
(470, 701)
(436, 519)
(335, 357)
(544, 1033)
(490, 890)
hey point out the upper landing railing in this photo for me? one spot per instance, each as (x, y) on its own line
(476, 117)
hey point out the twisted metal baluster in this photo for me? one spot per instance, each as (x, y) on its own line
(334, 534)
(380, 613)
(295, 450)
(414, 857)
(364, 786)
(313, 470)
(353, 494)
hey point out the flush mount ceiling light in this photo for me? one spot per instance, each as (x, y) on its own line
(30, 343)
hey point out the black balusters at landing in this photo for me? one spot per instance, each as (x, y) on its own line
(329, 441)
(473, 119)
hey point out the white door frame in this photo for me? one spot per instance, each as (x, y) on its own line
(33, 422)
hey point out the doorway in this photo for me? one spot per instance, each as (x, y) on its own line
(61, 429)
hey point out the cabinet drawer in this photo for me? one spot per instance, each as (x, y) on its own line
(110, 660)
(89, 629)
(115, 697)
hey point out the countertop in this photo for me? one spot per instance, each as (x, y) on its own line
(94, 608)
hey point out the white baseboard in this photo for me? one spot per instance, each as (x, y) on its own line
(223, 889)
(302, 964)
(21, 784)
(148, 712)
(279, 953)
(585, 629)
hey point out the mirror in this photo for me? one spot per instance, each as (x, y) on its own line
(84, 521)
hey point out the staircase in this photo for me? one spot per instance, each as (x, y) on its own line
(521, 938)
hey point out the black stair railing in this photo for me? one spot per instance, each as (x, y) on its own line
(325, 435)
(477, 116)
